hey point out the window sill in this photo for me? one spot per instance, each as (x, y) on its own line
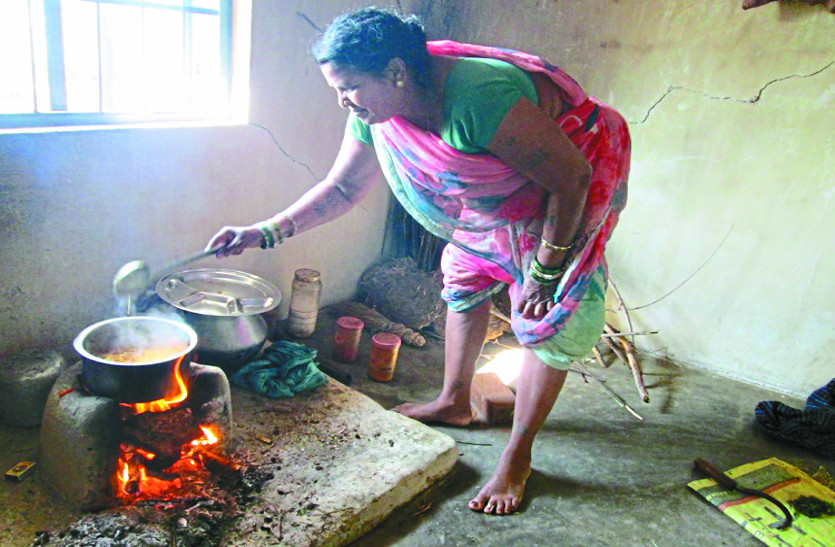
(125, 125)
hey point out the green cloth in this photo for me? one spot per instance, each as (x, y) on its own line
(284, 369)
(478, 94)
(582, 331)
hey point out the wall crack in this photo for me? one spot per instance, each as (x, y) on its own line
(283, 151)
(755, 99)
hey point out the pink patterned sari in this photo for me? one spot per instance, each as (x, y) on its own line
(483, 206)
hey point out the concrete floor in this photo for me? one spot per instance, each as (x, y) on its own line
(600, 477)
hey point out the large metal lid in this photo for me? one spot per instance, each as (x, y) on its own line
(212, 291)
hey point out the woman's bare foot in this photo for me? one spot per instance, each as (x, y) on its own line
(503, 492)
(437, 412)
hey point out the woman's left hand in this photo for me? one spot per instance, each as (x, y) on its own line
(535, 299)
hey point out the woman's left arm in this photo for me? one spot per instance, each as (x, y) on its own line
(532, 143)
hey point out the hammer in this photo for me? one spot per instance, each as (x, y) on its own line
(730, 484)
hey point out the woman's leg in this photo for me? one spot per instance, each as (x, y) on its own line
(464, 338)
(537, 389)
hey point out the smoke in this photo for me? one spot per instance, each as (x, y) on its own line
(138, 339)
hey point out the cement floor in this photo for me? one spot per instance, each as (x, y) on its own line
(600, 477)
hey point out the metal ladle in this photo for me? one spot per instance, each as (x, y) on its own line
(134, 277)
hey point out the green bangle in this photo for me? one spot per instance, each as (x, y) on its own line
(274, 227)
(541, 280)
(269, 240)
(544, 272)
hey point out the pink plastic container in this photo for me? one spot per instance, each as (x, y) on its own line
(346, 339)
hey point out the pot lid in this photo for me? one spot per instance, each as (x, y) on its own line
(212, 291)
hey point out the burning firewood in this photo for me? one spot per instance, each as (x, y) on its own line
(162, 433)
(377, 322)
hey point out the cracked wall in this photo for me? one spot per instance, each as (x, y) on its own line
(75, 206)
(723, 246)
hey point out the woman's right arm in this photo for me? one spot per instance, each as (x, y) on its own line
(347, 183)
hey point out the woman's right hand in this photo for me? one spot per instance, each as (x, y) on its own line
(234, 240)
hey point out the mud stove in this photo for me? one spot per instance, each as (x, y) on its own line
(98, 452)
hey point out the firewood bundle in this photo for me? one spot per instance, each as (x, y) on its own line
(377, 322)
(748, 4)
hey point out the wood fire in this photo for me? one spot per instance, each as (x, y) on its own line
(165, 453)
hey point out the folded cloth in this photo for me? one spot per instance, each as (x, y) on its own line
(284, 369)
(812, 428)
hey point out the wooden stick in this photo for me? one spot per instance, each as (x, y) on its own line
(599, 357)
(578, 367)
(376, 321)
(616, 334)
(632, 363)
(623, 307)
(496, 313)
(615, 349)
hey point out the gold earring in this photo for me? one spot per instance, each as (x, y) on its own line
(399, 83)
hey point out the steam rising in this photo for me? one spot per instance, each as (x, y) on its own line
(138, 339)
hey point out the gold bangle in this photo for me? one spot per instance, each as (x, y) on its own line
(556, 248)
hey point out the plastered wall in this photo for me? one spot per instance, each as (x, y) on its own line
(75, 206)
(725, 245)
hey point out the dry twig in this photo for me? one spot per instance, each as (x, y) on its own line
(632, 363)
(597, 356)
(583, 370)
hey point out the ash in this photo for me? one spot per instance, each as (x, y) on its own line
(197, 522)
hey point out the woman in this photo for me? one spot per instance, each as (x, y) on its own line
(510, 161)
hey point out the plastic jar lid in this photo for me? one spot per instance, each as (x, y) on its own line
(350, 323)
(386, 340)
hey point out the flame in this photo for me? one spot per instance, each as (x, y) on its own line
(145, 454)
(131, 480)
(161, 405)
(210, 436)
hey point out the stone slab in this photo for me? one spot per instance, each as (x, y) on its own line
(341, 464)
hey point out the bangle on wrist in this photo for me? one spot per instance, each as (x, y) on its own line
(556, 248)
(271, 233)
(269, 240)
(276, 231)
(543, 275)
(541, 280)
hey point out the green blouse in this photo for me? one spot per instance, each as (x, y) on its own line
(478, 94)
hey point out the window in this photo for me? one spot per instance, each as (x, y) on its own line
(81, 62)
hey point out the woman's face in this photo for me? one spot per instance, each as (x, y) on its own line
(371, 99)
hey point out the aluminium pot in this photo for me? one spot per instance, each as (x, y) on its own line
(173, 343)
(225, 308)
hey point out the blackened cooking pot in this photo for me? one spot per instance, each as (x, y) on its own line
(133, 359)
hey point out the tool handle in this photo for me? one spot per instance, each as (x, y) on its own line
(715, 473)
(173, 266)
(189, 260)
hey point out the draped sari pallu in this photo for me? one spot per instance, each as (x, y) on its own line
(480, 204)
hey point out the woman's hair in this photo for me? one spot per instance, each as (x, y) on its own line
(367, 39)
